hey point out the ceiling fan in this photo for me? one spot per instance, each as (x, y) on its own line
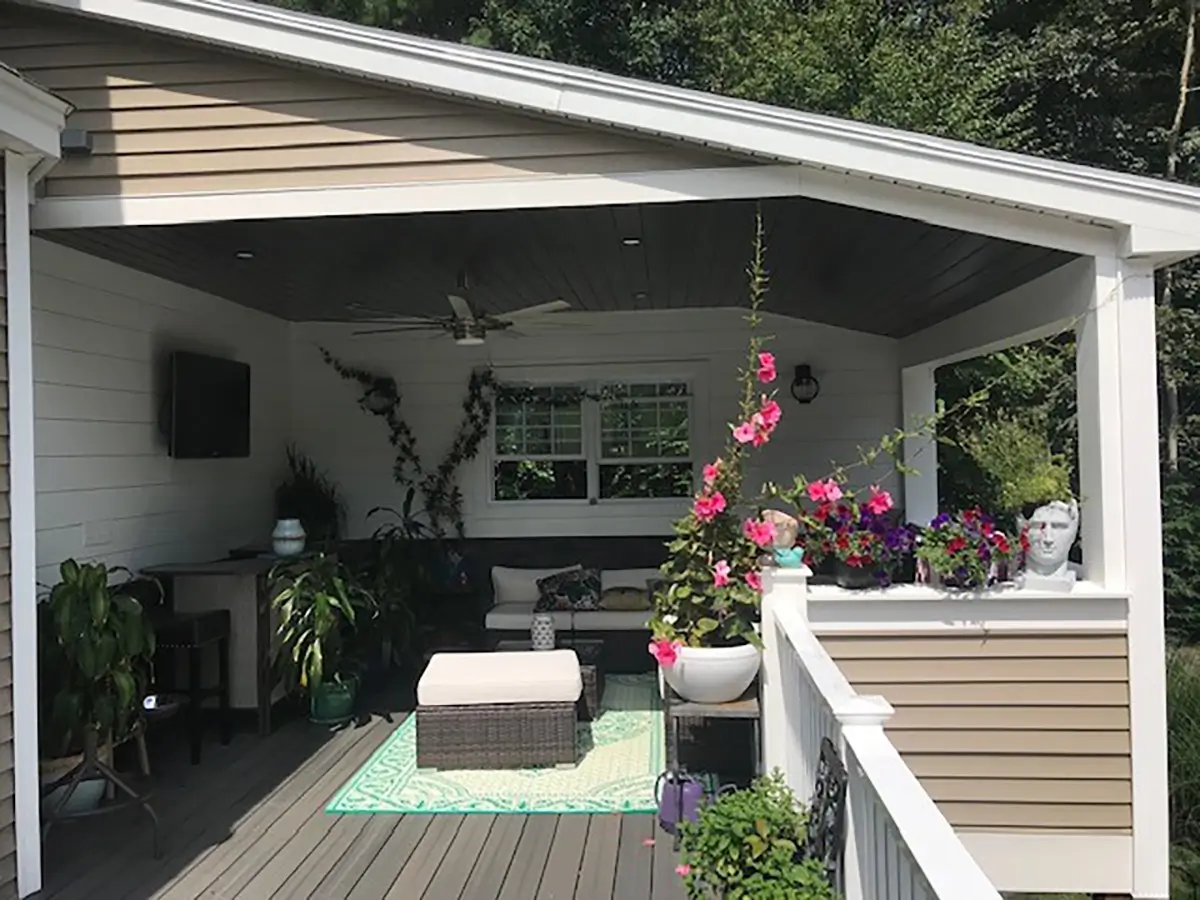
(468, 328)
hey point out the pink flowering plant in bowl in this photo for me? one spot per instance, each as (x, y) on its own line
(713, 576)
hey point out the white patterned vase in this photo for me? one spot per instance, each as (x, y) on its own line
(541, 632)
(288, 538)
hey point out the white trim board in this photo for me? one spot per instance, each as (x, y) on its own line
(1051, 862)
(1157, 218)
(31, 117)
(27, 787)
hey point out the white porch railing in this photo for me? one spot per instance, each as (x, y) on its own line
(898, 845)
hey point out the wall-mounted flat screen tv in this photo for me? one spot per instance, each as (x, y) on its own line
(209, 407)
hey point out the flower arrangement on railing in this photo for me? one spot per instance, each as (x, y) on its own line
(964, 550)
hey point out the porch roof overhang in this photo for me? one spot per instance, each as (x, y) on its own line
(31, 119)
(1151, 219)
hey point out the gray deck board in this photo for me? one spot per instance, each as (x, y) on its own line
(248, 823)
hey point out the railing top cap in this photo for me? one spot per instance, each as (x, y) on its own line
(780, 575)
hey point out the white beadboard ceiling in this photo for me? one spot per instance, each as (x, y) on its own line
(832, 264)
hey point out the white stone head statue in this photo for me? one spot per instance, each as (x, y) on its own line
(1051, 531)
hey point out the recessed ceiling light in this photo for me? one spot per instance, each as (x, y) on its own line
(632, 241)
(244, 254)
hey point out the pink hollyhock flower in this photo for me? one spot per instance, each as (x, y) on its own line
(721, 574)
(711, 471)
(665, 652)
(708, 506)
(754, 580)
(880, 502)
(766, 367)
(683, 870)
(760, 532)
(744, 433)
(824, 491)
(771, 413)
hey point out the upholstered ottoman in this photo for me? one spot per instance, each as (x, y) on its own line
(498, 710)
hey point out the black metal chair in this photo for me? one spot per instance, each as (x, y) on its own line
(826, 839)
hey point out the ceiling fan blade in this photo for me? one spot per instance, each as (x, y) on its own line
(398, 328)
(539, 309)
(462, 309)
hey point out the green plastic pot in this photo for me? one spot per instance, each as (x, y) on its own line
(332, 703)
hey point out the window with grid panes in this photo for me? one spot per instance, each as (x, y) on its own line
(628, 440)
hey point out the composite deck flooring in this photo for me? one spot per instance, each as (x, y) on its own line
(249, 822)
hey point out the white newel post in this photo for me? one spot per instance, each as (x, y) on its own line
(781, 587)
(860, 881)
(1122, 527)
(918, 400)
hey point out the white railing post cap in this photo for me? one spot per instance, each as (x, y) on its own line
(865, 710)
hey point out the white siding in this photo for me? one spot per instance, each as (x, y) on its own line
(106, 487)
(859, 400)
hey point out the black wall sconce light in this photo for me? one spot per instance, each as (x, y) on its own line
(804, 386)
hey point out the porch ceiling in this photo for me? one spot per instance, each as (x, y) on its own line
(833, 264)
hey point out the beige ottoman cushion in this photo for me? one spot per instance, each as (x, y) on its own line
(532, 676)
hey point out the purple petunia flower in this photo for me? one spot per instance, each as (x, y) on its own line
(941, 520)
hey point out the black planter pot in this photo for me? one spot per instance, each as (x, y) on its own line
(854, 578)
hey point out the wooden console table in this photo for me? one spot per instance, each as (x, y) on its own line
(241, 587)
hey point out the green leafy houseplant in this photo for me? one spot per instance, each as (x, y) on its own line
(96, 647)
(320, 606)
(749, 845)
(309, 494)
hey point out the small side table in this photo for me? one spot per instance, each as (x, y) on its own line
(675, 708)
(589, 653)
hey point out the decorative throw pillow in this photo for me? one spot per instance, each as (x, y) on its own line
(625, 599)
(576, 590)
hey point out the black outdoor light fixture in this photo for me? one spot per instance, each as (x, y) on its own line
(804, 386)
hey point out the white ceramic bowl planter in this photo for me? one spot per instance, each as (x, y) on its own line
(713, 674)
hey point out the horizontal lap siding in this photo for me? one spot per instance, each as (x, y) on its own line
(8, 847)
(168, 117)
(1007, 731)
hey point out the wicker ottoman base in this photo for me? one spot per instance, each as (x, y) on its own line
(496, 736)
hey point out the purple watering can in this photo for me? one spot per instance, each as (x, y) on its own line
(679, 797)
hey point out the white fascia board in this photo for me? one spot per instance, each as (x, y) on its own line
(31, 119)
(1092, 195)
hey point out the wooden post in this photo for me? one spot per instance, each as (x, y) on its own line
(781, 587)
(918, 395)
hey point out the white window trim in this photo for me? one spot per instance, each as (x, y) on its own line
(693, 372)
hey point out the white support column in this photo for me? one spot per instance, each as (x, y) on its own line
(1122, 526)
(781, 588)
(23, 549)
(918, 397)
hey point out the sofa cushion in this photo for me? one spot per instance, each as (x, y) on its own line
(520, 585)
(603, 620)
(625, 599)
(575, 589)
(519, 617)
(533, 676)
(634, 578)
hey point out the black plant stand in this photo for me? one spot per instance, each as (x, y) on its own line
(91, 765)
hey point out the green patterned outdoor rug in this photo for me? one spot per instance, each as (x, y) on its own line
(621, 755)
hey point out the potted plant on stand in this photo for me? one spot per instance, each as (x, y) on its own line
(308, 507)
(95, 647)
(703, 626)
(749, 845)
(863, 538)
(320, 605)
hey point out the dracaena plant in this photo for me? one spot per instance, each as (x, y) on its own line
(712, 577)
(320, 604)
(96, 647)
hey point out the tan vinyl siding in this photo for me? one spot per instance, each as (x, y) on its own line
(8, 847)
(169, 116)
(1007, 731)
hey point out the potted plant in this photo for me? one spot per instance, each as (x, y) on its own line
(95, 647)
(307, 505)
(320, 604)
(964, 551)
(749, 845)
(399, 574)
(703, 627)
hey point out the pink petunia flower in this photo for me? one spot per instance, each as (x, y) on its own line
(824, 491)
(762, 431)
(744, 433)
(760, 532)
(708, 506)
(766, 367)
(771, 413)
(711, 471)
(665, 652)
(683, 870)
(880, 502)
(754, 579)
(721, 573)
